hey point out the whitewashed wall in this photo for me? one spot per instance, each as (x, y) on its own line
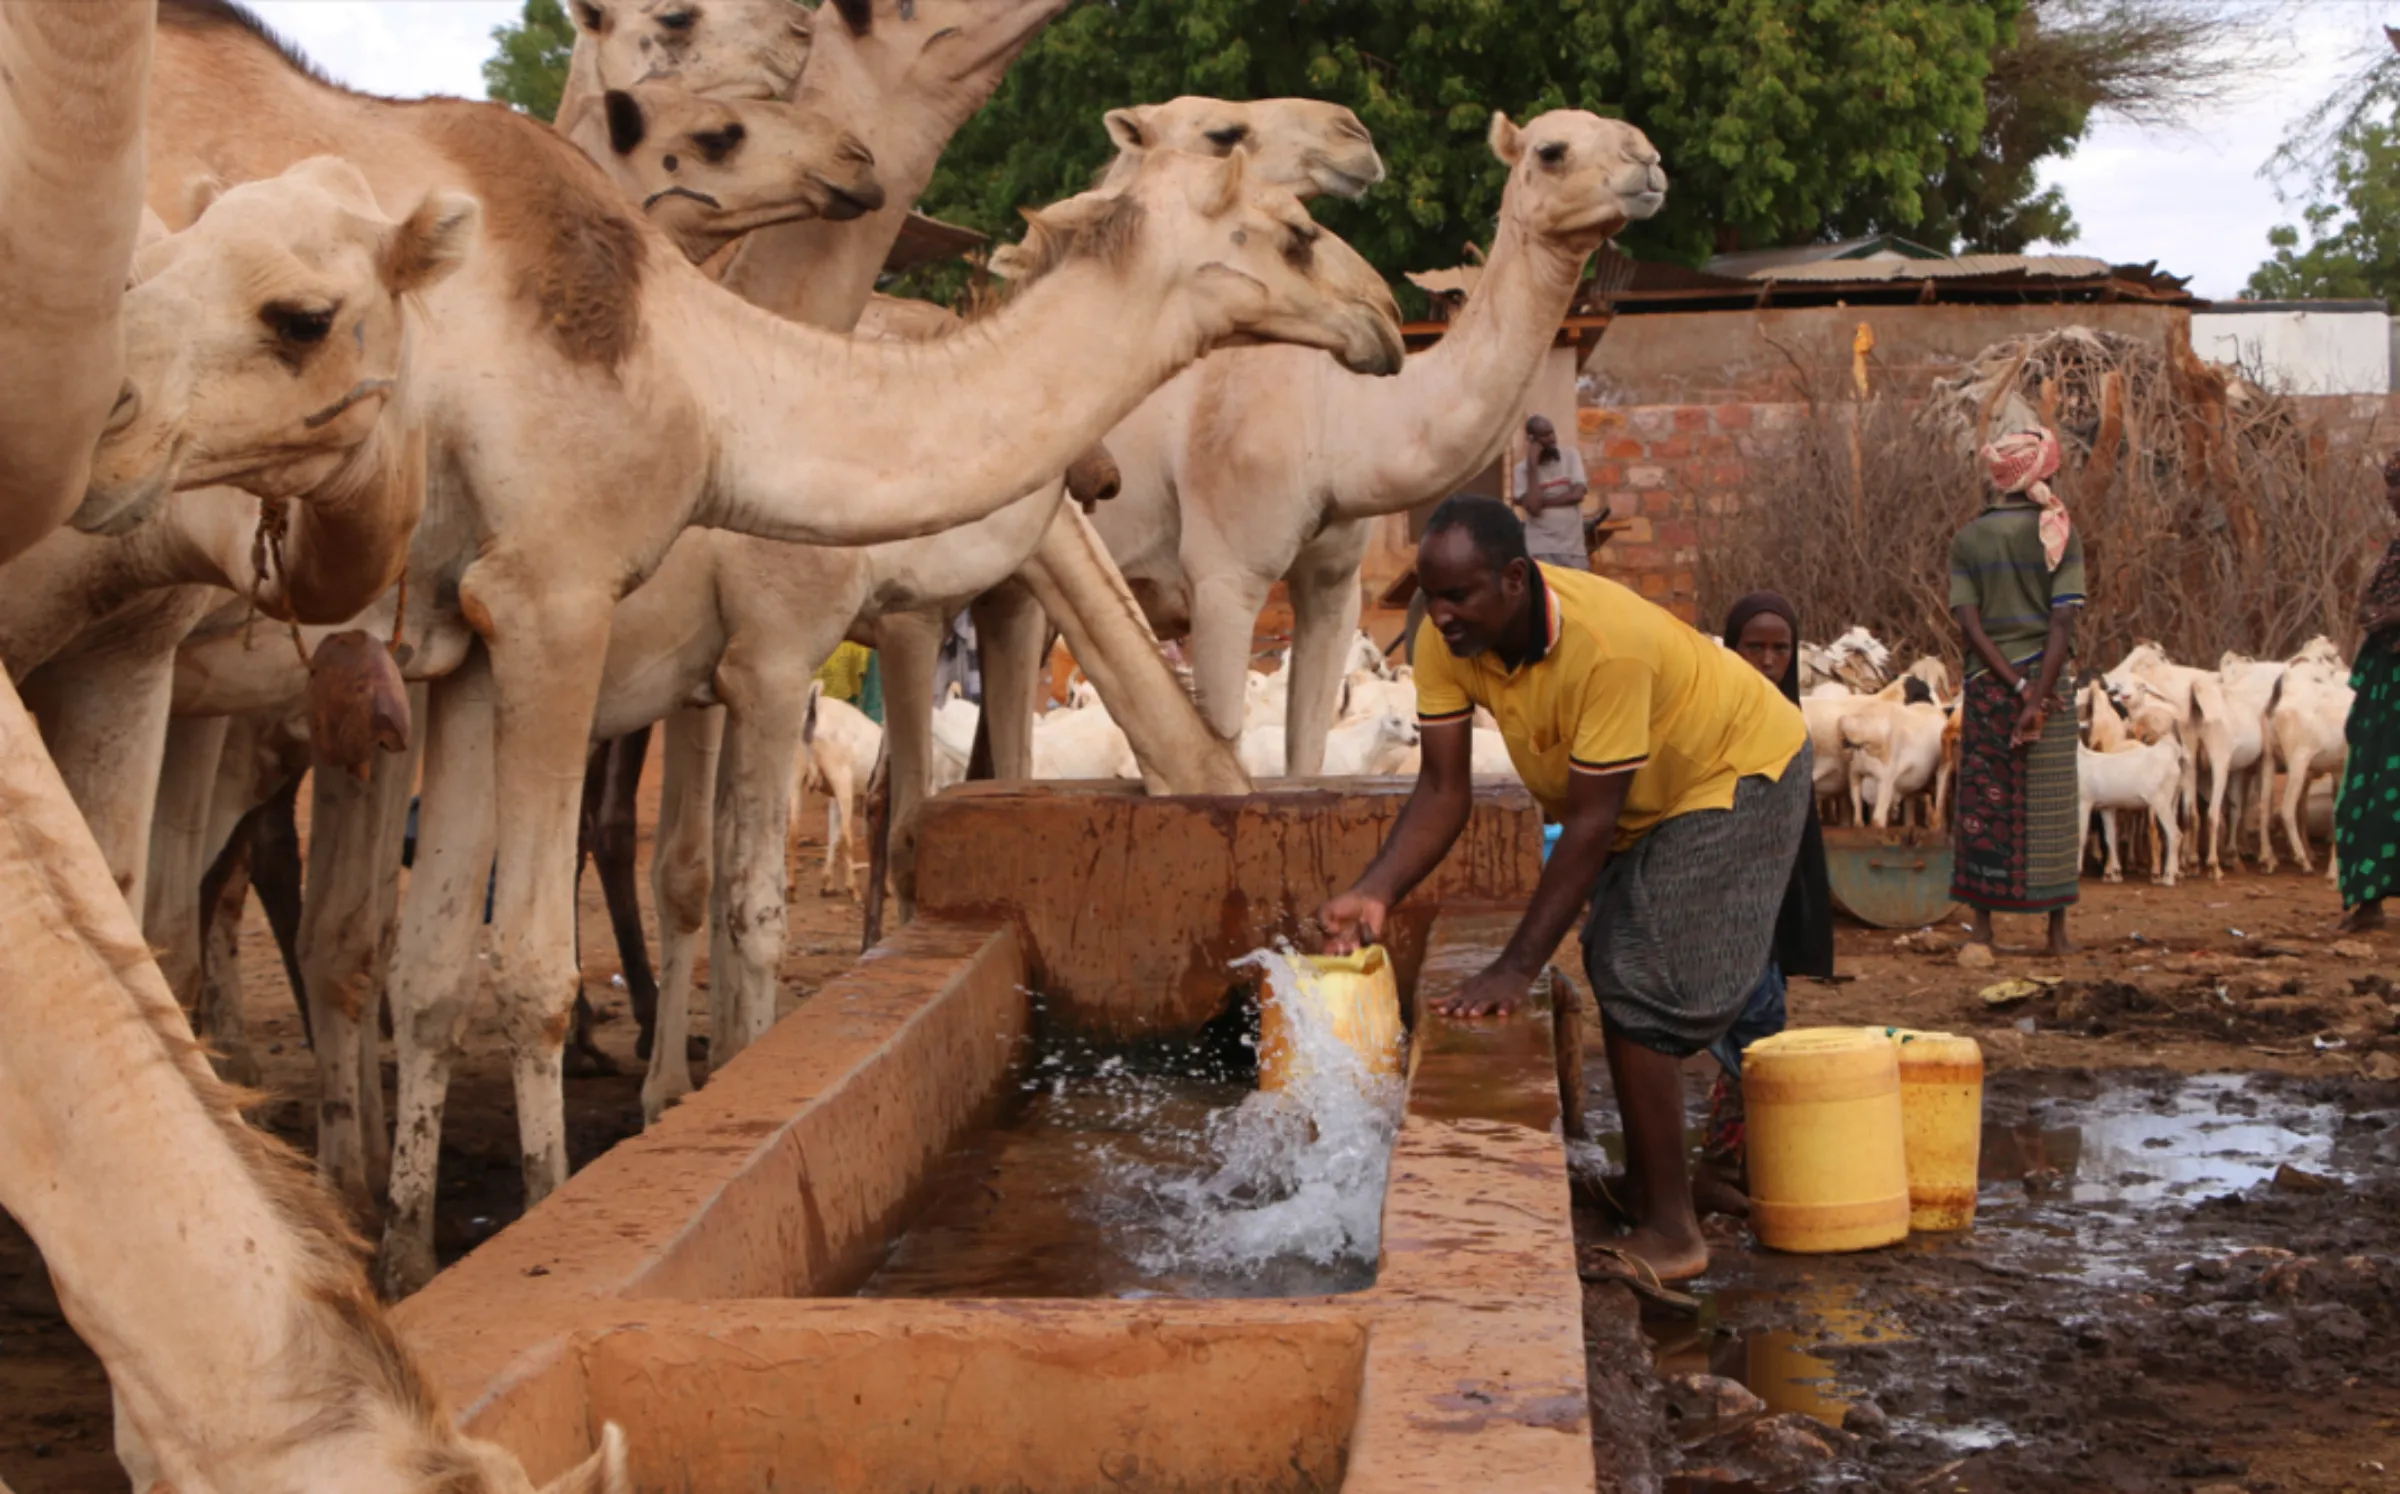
(2303, 351)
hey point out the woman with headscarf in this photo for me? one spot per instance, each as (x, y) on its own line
(1764, 629)
(2366, 821)
(2016, 583)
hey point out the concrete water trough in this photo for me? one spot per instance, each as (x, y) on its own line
(697, 1285)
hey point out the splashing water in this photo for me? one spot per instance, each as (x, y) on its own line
(1299, 1174)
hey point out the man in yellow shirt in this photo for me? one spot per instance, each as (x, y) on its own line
(1680, 779)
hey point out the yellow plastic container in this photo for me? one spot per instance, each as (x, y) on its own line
(1828, 1171)
(1941, 1124)
(1357, 993)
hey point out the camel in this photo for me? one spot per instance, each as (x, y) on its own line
(89, 623)
(661, 403)
(1251, 468)
(196, 1259)
(71, 161)
(748, 623)
(711, 170)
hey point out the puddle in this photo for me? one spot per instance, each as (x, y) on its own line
(1159, 1171)
(2104, 1187)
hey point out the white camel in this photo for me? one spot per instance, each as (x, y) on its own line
(1253, 468)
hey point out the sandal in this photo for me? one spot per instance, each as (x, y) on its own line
(1607, 1263)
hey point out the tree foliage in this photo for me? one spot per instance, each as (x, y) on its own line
(1772, 115)
(2353, 225)
(2066, 64)
(529, 69)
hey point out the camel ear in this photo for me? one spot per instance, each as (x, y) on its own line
(1507, 142)
(1128, 129)
(604, 1472)
(432, 243)
(198, 194)
(626, 123)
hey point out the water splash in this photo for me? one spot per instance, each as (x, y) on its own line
(1298, 1175)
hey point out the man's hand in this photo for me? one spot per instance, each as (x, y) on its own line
(1355, 918)
(2029, 723)
(1495, 991)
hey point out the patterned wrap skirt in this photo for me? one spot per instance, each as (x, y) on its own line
(2015, 846)
(2366, 819)
(1683, 922)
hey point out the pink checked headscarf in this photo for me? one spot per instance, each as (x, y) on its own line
(2022, 462)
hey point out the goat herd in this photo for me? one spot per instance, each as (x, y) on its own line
(2195, 752)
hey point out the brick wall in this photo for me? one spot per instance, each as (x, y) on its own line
(1671, 474)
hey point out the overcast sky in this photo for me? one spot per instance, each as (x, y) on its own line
(2192, 199)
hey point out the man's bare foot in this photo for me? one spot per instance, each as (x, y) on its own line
(1673, 1257)
(1716, 1195)
(2363, 919)
(2062, 945)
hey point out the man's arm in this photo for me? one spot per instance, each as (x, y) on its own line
(1585, 833)
(1429, 825)
(1970, 623)
(2054, 661)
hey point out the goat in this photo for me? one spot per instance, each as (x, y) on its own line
(2308, 720)
(1898, 745)
(1082, 742)
(839, 743)
(2147, 777)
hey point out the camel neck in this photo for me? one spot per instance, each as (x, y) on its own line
(838, 441)
(1449, 412)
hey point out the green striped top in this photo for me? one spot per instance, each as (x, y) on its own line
(1996, 567)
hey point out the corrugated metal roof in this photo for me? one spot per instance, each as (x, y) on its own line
(1875, 246)
(1964, 267)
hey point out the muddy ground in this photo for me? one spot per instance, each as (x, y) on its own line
(2185, 1272)
(2125, 1316)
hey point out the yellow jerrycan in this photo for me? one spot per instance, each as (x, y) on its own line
(1357, 995)
(1941, 1124)
(1828, 1171)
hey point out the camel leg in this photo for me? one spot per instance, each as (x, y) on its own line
(546, 677)
(1224, 620)
(679, 889)
(219, 1015)
(1325, 603)
(909, 644)
(354, 833)
(104, 717)
(275, 875)
(1079, 586)
(1010, 629)
(432, 974)
(178, 854)
(615, 838)
(765, 713)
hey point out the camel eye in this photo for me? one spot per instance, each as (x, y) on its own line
(678, 20)
(1553, 154)
(592, 18)
(302, 326)
(1228, 137)
(716, 145)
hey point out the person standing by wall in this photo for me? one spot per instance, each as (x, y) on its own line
(2016, 584)
(1550, 489)
(2366, 819)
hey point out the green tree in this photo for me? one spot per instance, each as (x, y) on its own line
(2353, 225)
(1772, 115)
(529, 71)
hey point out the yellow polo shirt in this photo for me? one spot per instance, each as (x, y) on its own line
(1621, 685)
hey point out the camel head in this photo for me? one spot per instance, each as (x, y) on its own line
(264, 341)
(1576, 178)
(1261, 269)
(1306, 145)
(731, 49)
(709, 170)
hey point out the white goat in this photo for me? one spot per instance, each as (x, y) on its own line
(838, 747)
(2195, 700)
(2147, 778)
(2307, 726)
(954, 726)
(1897, 746)
(1083, 742)
(1363, 746)
(1858, 660)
